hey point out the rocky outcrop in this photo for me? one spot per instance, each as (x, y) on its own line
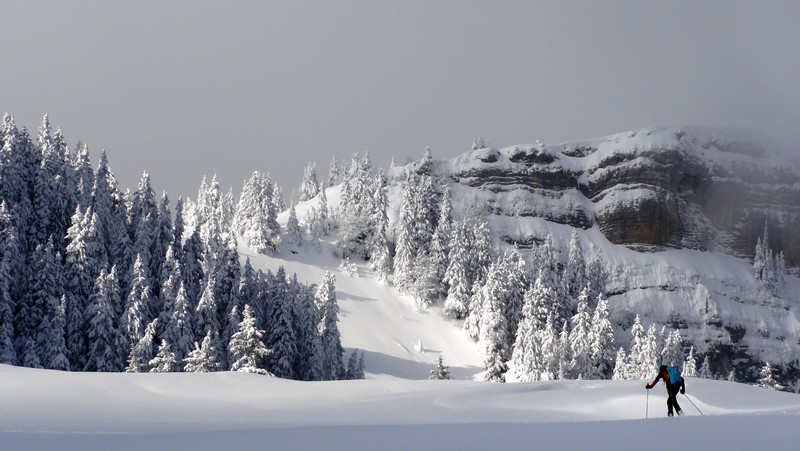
(690, 187)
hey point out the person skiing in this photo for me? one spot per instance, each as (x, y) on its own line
(672, 389)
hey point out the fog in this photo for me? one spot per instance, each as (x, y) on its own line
(183, 89)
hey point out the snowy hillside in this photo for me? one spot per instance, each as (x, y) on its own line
(44, 409)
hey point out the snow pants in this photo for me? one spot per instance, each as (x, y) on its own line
(672, 400)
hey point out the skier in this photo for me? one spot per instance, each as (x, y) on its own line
(672, 388)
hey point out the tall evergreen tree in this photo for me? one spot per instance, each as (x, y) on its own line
(179, 329)
(247, 347)
(294, 236)
(580, 340)
(309, 187)
(690, 364)
(137, 307)
(457, 275)
(330, 340)
(104, 339)
(282, 341)
(380, 258)
(602, 340)
(206, 316)
(673, 349)
(56, 350)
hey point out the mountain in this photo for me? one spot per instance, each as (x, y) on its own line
(674, 213)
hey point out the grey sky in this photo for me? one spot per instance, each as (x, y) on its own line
(183, 89)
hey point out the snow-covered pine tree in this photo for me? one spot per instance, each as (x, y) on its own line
(309, 187)
(162, 242)
(574, 279)
(620, 366)
(307, 364)
(143, 351)
(247, 347)
(281, 340)
(192, 268)
(580, 343)
(352, 371)
(602, 340)
(493, 324)
(8, 250)
(205, 358)
(456, 304)
(515, 286)
(104, 341)
(648, 362)
(636, 349)
(137, 307)
(256, 216)
(440, 372)
(205, 316)
(705, 369)
(45, 290)
(673, 349)
(294, 236)
(334, 172)
(526, 357)
(380, 259)
(406, 249)
(767, 380)
(330, 340)
(690, 364)
(179, 329)
(550, 350)
(440, 246)
(165, 360)
(30, 357)
(56, 350)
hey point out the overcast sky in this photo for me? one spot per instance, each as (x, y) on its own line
(183, 89)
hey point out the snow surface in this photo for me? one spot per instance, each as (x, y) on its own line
(44, 409)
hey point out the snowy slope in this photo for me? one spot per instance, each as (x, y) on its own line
(80, 411)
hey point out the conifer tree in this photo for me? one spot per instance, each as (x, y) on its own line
(334, 172)
(309, 187)
(56, 350)
(580, 343)
(294, 237)
(650, 355)
(621, 371)
(137, 307)
(165, 360)
(602, 340)
(192, 268)
(526, 357)
(205, 358)
(305, 319)
(179, 328)
(690, 364)
(550, 350)
(104, 339)
(380, 259)
(8, 354)
(767, 380)
(440, 371)
(673, 349)
(494, 325)
(30, 357)
(282, 341)
(246, 347)
(330, 340)
(206, 319)
(705, 369)
(456, 304)
(440, 246)
(574, 279)
(142, 352)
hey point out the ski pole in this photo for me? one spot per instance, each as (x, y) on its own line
(695, 405)
(647, 406)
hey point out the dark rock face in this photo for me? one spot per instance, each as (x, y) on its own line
(652, 187)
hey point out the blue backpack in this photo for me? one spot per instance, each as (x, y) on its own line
(674, 374)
